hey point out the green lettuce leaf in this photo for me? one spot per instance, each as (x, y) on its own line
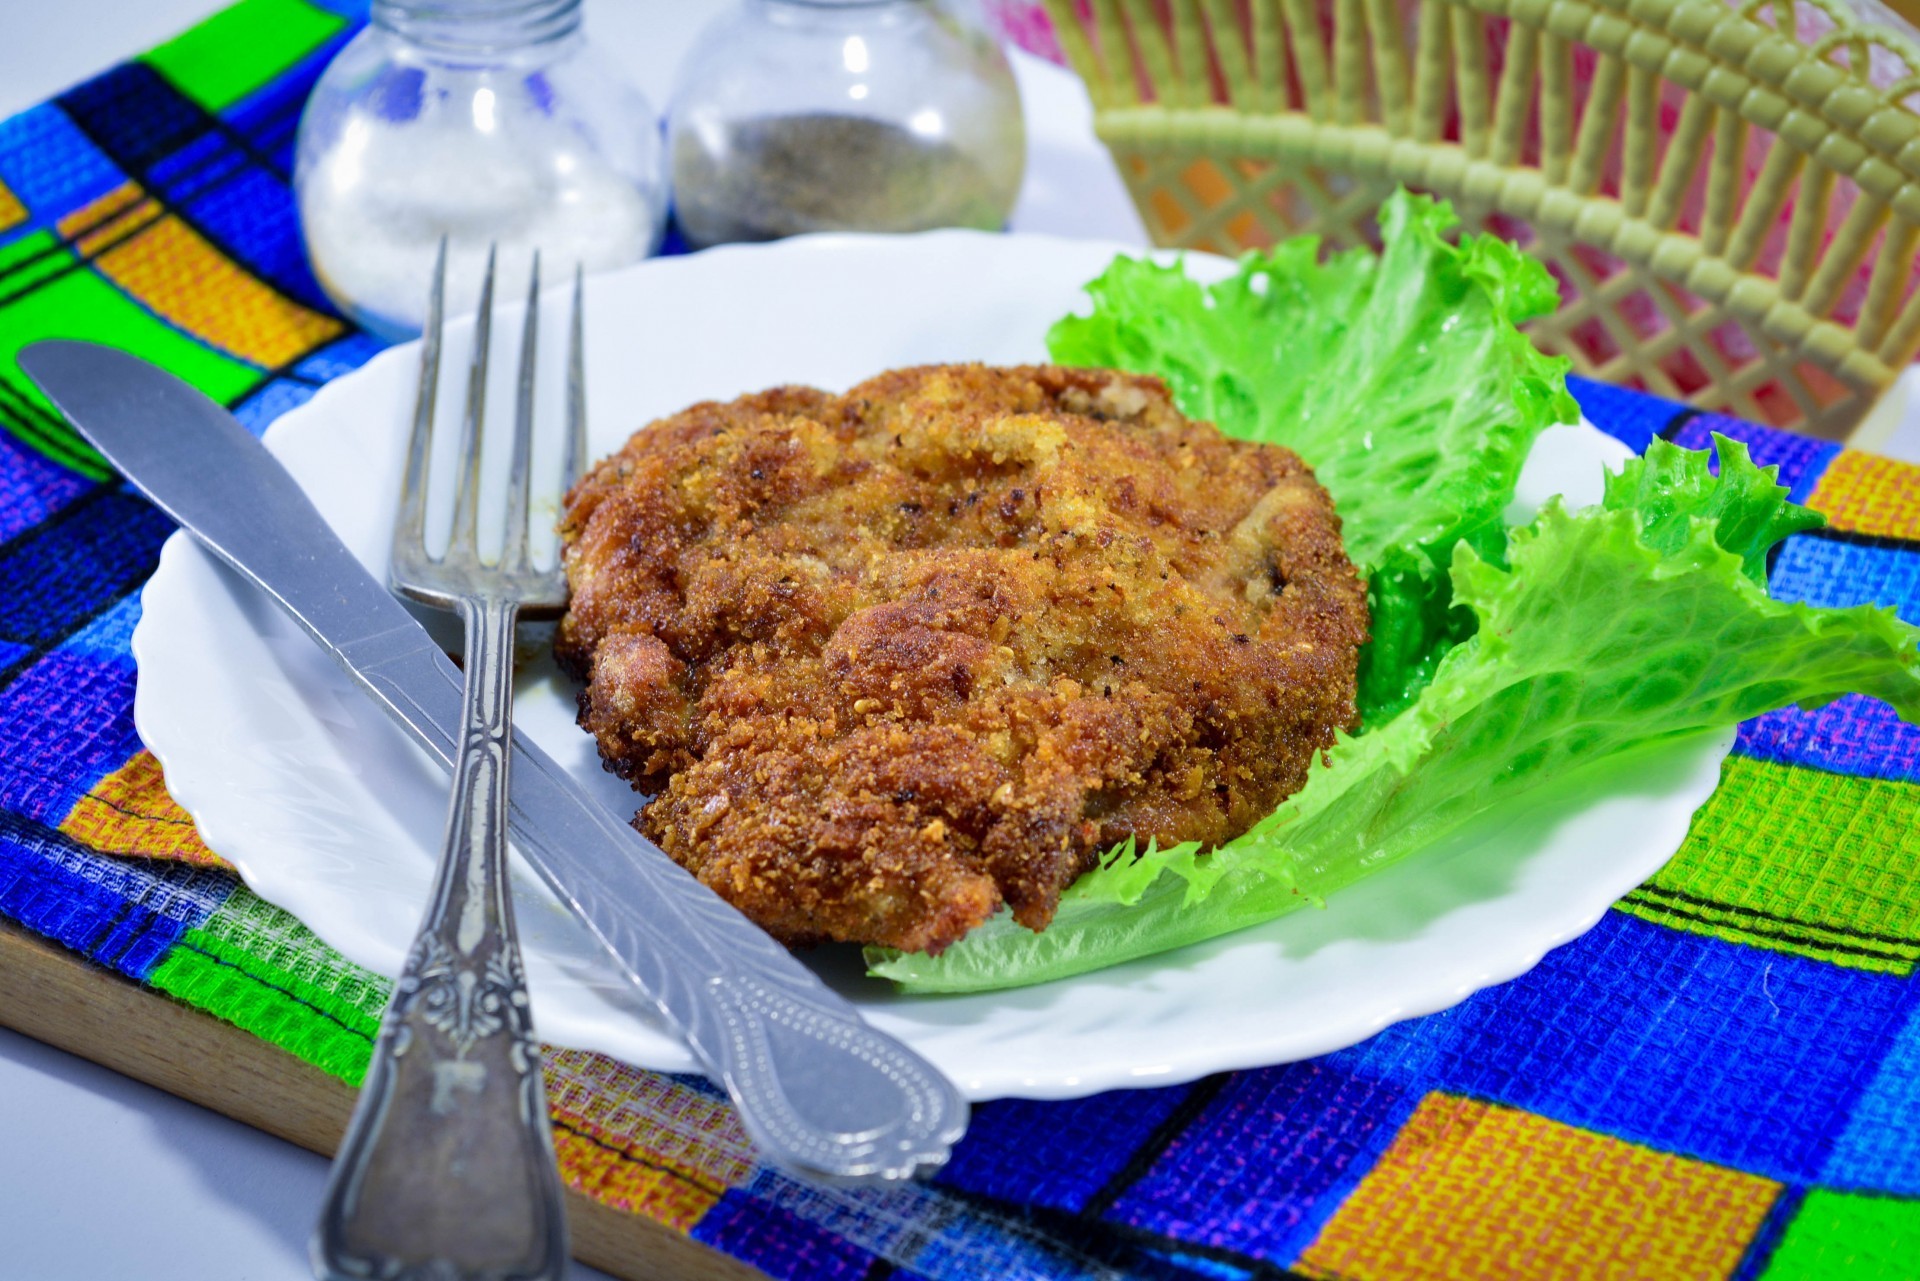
(1401, 377)
(1672, 487)
(1635, 622)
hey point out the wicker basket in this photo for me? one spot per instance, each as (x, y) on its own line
(1730, 200)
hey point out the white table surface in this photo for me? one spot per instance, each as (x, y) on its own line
(103, 1178)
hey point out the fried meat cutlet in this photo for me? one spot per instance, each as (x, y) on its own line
(894, 658)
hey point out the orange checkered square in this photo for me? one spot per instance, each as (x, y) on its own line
(130, 812)
(642, 1142)
(1473, 1190)
(1868, 494)
(168, 266)
(12, 212)
(627, 1182)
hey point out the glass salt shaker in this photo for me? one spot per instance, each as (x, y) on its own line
(481, 121)
(792, 116)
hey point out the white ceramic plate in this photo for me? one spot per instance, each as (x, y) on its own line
(330, 813)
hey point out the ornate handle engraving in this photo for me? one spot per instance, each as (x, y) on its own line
(823, 1093)
(447, 1172)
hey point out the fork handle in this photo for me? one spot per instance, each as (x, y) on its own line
(447, 1170)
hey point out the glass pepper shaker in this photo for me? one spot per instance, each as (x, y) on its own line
(482, 121)
(792, 116)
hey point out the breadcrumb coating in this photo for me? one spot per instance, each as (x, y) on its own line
(891, 659)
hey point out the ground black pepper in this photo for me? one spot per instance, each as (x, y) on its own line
(774, 176)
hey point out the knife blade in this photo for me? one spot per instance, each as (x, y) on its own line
(818, 1090)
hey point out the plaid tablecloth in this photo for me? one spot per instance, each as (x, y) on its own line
(1722, 1079)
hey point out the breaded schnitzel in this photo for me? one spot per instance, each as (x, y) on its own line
(896, 657)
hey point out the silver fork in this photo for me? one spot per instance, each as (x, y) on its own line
(447, 1171)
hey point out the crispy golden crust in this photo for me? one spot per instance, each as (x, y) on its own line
(896, 657)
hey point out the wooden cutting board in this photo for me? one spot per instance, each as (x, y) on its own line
(52, 995)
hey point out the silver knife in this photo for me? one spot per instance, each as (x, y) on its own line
(819, 1091)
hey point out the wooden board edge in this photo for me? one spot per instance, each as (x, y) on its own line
(52, 995)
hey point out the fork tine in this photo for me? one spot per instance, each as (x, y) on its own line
(576, 456)
(410, 526)
(464, 546)
(513, 553)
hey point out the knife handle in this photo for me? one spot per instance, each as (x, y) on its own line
(447, 1170)
(822, 1093)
